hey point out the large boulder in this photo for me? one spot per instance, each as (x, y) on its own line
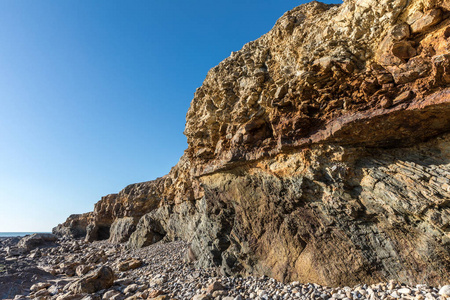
(121, 229)
(96, 280)
(35, 240)
(14, 251)
(148, 231)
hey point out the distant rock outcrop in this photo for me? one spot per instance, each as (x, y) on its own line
(74, 227)
(319, 152)
(30, 242)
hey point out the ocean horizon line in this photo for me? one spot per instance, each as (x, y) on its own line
(19, 233)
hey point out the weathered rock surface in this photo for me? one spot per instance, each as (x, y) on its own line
(74, 226)
(35, 240)
(319, 152)
(16, 274)
(148, 232)
(129, 264)
(121, 229)
(98, 279)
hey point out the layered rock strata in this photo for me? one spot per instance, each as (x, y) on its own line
(75, 226)
(319, 152)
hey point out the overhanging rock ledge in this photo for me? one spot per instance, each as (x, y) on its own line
(319, 152)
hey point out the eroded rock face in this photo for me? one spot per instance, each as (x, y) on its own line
(74, 227)
(319, 152)
(318, 66)
(121, 230)
(148, 231)
(332, 210)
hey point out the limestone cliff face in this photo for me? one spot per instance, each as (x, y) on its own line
(320, 70)
(319, 152)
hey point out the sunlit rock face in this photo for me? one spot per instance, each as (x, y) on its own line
(74, 227)
(319, 152)
(317, 72)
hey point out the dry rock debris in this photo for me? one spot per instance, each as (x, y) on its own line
(165, 274)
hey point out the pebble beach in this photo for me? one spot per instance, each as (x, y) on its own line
(67, 269)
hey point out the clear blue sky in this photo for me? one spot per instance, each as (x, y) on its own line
(93, 94)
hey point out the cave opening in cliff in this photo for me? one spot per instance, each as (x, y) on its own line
(103, 232)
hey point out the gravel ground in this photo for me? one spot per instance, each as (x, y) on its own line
(160, 271)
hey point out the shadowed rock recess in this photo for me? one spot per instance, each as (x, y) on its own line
(319, 152)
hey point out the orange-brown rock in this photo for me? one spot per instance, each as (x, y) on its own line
(319, 152)
(129, 264)
(123, 210)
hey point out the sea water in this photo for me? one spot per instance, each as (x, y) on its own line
(14, 234)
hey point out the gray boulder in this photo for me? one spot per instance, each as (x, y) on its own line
(13, 251)
(96, 280)
(121, 230)
(148, 231)
(33, 241)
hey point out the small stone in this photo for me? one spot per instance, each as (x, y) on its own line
(260, 293)
(13, 251)
(129, 264)
(391, 285)
(215, 286)
(395, 294)
(403, 97)
(155, 293)
(131, 288)
(39, 286)
(36, 254)
(110, 294)
(123, 281)
(403, 50)
(40, 293)
(53, 290)
(429, 296)
(405, 291)
(386, 102)
(447, 33)
(385, 78)
(338, 296)
(220, 293)
(401, 31)
(428, 20)
(82, 269)
(158, 279)
(202, 297)
(281, 91)
(445, 291)
(69, 296)
(421, 286)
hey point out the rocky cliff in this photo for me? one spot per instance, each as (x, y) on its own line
(319, 152)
